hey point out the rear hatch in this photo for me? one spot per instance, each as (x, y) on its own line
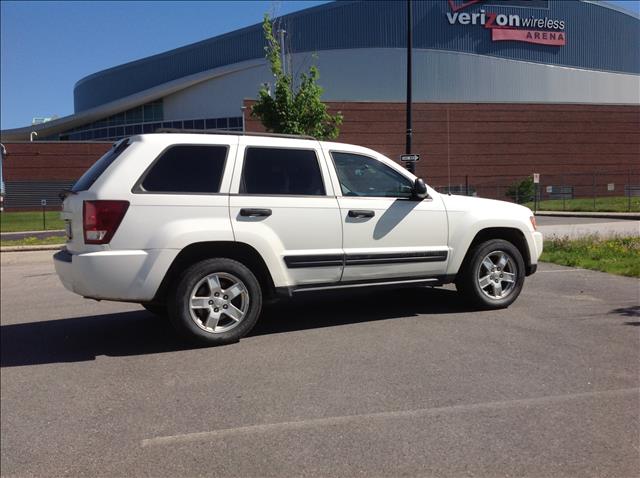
(74, 198)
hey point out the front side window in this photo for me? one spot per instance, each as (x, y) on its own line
(364, 176)
(187, 169)
(280, 171)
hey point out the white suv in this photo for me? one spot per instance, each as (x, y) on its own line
(203, 227)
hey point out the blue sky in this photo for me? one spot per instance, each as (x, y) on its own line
(47, 46)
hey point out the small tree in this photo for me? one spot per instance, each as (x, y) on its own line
(522, 191)
(289, 110)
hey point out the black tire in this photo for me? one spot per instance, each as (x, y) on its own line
(156, 309)
(469, 282)
(200, 325)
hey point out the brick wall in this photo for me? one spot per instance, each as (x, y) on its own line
(40, 169)
(492, 145)
(489, 146)
(45, 161)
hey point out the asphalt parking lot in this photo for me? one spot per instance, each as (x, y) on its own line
(408, 382)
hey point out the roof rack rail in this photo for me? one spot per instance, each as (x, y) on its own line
(233, 133)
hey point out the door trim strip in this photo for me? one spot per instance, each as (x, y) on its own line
(333, 260)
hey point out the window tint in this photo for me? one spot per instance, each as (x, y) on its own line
(363, 176)
(99, 167)
(281, 171)
(187, 169)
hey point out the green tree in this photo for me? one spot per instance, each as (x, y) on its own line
(522, 191)
(293, 110)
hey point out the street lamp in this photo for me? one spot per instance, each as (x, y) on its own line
(411, 165)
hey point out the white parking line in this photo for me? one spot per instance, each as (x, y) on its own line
(317, 422)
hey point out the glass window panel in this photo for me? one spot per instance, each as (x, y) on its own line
(148, 113)
(187, 168)
(99, 167)
(198, 124)
(134, 115)
(364, 176)
(279, 171)
(157, 111)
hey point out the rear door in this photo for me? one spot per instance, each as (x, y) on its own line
(387, 234)
(283, 203)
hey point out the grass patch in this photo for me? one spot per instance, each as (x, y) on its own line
(605, 204)
(620, 255)
(30, 221)
(33, 241)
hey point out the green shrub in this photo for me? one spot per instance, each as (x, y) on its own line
(522, 191)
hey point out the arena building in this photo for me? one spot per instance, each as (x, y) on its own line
(502, 88)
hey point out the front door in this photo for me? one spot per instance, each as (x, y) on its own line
(386, 233)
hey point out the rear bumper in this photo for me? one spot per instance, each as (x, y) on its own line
(132, 276)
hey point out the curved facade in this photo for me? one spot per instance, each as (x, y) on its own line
(597, 39)
(465, 51)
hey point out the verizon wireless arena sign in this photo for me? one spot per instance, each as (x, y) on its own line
(511, 27)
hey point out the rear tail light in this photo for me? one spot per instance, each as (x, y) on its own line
(101, 220)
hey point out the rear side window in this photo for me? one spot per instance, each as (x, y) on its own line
(100, 166)
(186, 169)
(280, 171)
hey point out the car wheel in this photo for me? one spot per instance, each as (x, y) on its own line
(215, 302)
(493, 275)
(156, 309)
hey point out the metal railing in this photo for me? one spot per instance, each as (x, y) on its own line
(598, 191)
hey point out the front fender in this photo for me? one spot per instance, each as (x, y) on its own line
(465, 226)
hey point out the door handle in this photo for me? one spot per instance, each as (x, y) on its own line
(251, 212)
(361, 213)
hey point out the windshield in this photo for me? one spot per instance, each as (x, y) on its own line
(100, 166)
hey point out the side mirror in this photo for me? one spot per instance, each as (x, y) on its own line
(419, 189)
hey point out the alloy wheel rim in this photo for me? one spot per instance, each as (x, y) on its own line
(218, 302)
(497, 275)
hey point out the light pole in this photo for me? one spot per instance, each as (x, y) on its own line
(411, 165)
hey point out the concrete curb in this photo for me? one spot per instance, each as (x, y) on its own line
(9, 236)
(34, 232)
(600, 215)
(49, 247)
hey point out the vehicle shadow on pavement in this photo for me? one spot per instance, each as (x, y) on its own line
(140, 332)
(313, 311)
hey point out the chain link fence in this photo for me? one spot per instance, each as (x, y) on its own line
(598, 191)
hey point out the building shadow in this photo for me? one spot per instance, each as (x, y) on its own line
(140, 332)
